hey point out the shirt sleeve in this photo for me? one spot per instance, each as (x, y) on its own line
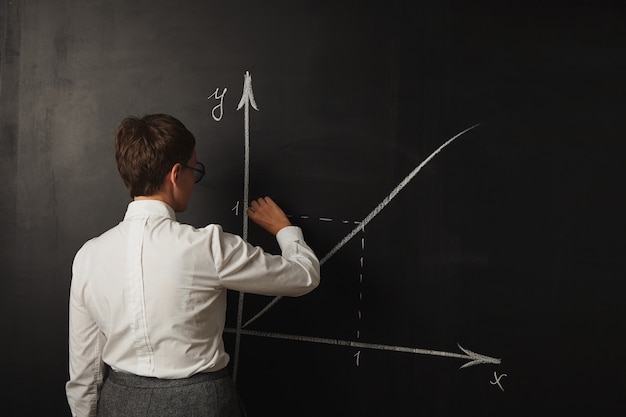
(85, 353)
(247, 268)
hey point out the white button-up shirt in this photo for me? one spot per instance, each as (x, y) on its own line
(148, 296)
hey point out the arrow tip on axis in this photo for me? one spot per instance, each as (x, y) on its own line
(248, 94)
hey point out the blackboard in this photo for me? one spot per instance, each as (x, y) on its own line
(507, 243)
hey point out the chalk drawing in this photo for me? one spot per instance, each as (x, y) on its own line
(472, 358)
(497, 380)
(247, 100)
(236, 209)
(218, 110)
(370, 216)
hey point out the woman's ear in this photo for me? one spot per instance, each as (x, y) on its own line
(175, 173)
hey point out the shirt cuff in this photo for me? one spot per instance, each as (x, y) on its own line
(289, 234)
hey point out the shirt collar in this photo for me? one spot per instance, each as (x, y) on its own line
(146, 208)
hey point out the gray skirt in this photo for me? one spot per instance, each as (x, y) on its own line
(202, 395)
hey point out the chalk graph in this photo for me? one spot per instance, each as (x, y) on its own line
(247, 101)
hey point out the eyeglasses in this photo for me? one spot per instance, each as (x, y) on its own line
(198, 171)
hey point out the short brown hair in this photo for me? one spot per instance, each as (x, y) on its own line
(146, 149)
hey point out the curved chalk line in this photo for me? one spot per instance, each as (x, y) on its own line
(370, 216)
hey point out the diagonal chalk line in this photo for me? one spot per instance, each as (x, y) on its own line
(370, 216)
(472, 357)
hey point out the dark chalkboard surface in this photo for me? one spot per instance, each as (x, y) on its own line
(504, 251)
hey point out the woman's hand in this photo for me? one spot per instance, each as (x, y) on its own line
(266, 213)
